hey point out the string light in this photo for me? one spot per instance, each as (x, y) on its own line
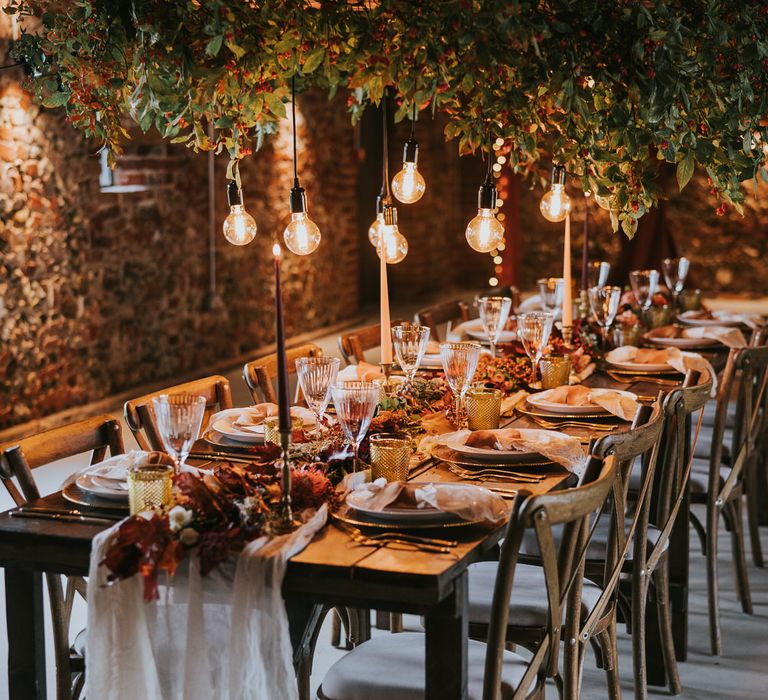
(556, 204)
(301, 235)
(408, 185)
(239, 226)
(485, 232)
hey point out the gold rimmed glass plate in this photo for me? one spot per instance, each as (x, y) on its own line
(528, 410)
(350, 516)
(74, 494)
(504, 461)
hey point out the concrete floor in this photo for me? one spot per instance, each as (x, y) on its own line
(740, 674)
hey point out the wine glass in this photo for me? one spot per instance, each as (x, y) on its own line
(409, 342)
(644, 285)
(494, 312)
(597, 273)
(178, 418)
(459, 364)
(551, 292)
(316, 377)
(534, 328)
(675, 271)
(604, 302)
(355, 404)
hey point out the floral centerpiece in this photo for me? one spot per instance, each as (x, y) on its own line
(508, 373)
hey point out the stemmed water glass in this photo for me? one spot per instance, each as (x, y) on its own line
(551, 292)
(409, 342)
(675, 271)
(355, 404)
(178, 418)
(316, 377)
(534, 328)
(604, 302)
(597, 273)
(494, 312)
(459, 364)
(644, 283)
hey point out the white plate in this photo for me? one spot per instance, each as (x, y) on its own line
(504, 336)
(99, 486)
(722, 322)
(691, 343)
(540, 401)
(222, 422)
(486, 453)
(403, 514)
(641, 366)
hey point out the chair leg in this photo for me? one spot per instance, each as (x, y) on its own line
(335, 628)
(639, 599)
(396, 622)
(661, 585)
(739, 557)
(712, 587)
(753, 516)
(610, 653)
(382, 620)
(701, 532)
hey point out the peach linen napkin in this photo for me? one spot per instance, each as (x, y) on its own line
(730, 337)
(253, 417)
(558, 447)
(466, 501)
(612, 401)
(361, 372)
(674, 357)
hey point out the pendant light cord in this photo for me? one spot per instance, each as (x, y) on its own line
(385, 153)
(488, 176)
(293, 117)
(413, 122)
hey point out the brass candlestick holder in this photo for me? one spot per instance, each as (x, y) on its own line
(568, 336)
(386, 369)
(284, 522)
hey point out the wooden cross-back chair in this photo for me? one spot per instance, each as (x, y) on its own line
(18, 459)
(721, 488)
(446, 312)
(354, 344)
(260, 375)
(361, 672)
(140, 416)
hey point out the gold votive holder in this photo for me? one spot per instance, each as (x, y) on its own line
(555, 371)
(483, 408)
(390, 456)
(690, 300)
(272, 428)
(659, 316)
(149, 487)
(627, 335)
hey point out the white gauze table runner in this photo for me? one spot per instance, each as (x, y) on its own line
(221, 636)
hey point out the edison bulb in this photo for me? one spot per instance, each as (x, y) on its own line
(395, 245)
(555, 205)
(302, 235)
(408, 185)
(374, 230)
(239, 226)
(484, 232)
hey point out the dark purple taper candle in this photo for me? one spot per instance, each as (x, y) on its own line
(283, 403)
(585, 248)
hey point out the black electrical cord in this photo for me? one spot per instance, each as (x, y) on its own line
(293, 117)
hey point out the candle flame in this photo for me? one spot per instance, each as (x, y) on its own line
(276, 250)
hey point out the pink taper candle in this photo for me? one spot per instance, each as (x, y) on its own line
(567, 284)
(386, 333)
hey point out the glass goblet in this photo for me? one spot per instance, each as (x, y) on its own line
(675, 272)
(459, 364)
(551, 292)
(494, 312)
(316, 377)
(178, 418)
(355, 404)
(534, 329)
(597, 273)
(644, 283)
(604, 302)
(409, 342)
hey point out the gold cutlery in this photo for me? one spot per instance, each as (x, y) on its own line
(221, 457)
(65, 516)
(497, 474)
(624, 379)
(415, 538)
(572, 424)
(394, 541)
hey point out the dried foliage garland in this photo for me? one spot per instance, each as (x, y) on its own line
(608, 89)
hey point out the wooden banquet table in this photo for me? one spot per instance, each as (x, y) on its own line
(332, 570)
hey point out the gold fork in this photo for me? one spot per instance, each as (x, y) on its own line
(497, 474)
(624, 379)
(571, 424)
(394, 542)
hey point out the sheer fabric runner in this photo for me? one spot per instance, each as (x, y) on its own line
(223, 636)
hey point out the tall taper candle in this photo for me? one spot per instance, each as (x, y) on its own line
(283, 402)
(567, 282)
(386, 332)
(585, 247)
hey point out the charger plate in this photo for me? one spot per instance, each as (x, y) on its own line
(618, 369)
(503, 461)
(528, 410)
(74, 494)
(350, 516)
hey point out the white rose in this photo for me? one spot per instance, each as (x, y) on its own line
(179, 517)
(189, 536)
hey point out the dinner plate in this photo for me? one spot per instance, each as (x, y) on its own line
(723, 322)
(222, 423)
(74, 494)
(641, 366)
(488, 454)
(527, 410)
(214, 437)
(540, 402)
(503, 461)
(474, 329)
(680, 342)
(111, 489)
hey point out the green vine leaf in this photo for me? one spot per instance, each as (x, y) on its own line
(685, 170)
(214, 45)
(57, 99)
(313, 60)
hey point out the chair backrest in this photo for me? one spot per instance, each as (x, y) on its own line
(434, 316)
(140, 416)
(18, 458)
(260, 374)
(562, 567)
(354, 344)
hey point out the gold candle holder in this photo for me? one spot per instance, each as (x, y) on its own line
(390, 456)
(149, 487)
(483, 408)
(272, 429)
(555, 371)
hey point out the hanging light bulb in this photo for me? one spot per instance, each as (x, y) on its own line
(555, 205)
(301, 235)
(485, 232)
(374, 230)
(408, 185)
(391, 240)
(239, 226)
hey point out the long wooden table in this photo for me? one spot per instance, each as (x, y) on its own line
(332, 569)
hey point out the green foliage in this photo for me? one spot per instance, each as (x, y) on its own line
(607, 88)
